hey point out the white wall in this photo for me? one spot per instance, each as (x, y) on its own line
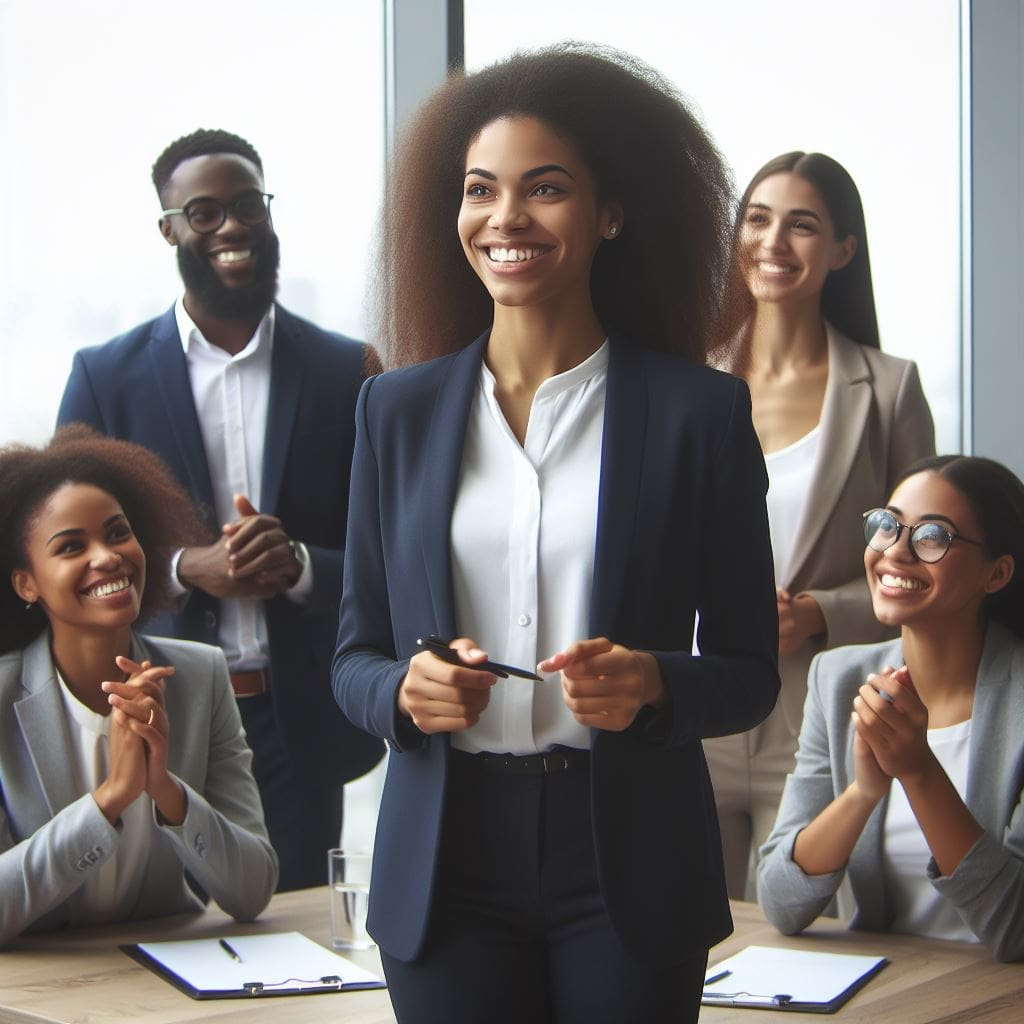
(90, 94)
(875, 84)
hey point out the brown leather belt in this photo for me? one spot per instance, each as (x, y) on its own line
(249, 684)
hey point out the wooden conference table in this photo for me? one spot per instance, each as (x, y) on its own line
(82, 977)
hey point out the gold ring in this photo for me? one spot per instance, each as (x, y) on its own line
(605, 713)
(152, 712)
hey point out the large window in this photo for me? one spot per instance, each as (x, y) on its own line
(875, 84)
(89, 96)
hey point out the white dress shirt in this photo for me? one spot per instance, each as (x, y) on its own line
(522, 537)
(232, 397)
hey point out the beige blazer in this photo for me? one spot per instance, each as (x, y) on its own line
(874, 423)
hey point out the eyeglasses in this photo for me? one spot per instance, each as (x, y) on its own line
(207, 215)
(929, 542)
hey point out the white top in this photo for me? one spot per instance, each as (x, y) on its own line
(232, 397)
(522, 537)
(920, 910)
(111, 891)
(790, 471)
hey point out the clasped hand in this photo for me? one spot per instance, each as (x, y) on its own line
(604, 685)
(139, 729)
(254, 558)
(891, 731)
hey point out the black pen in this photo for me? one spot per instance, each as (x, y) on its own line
(439, 648)
(226, 946)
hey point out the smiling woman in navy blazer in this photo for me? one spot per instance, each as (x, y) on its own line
(571, 488)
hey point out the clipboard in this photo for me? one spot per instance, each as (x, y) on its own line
(269, 964)
(766, 978)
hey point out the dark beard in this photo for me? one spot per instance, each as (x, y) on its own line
(248, 302)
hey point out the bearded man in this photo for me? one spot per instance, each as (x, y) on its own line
(253, 409)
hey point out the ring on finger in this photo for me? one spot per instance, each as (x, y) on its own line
(152, 713)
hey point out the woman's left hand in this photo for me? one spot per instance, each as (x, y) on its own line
(894, 726)
(140, 700)
(800, 618)
(604, 685)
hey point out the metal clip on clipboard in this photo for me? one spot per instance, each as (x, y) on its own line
(328, 983)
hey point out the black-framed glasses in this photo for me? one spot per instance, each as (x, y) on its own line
(929, 542)
(206, 215)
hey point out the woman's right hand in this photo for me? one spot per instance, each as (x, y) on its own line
(872, 780)
(126, 780)
(441, 697)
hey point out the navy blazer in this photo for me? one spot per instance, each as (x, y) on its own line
(681, 526)
(137, 387)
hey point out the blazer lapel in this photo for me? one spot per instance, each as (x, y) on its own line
(175, 389)
(287, 365)
(992, 763)
(445, 442)
(39, 714)
(622, 447)
(844, 415)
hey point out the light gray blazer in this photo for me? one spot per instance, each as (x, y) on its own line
(875, 422)
(987, 888)
(52, 836)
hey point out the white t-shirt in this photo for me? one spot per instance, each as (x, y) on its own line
(920, 910)
(790, 471)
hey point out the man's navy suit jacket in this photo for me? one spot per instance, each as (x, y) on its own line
(136, 387)
(681, 526)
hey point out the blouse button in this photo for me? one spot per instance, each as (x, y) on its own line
(524, 619)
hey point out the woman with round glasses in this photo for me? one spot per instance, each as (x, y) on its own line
(126, 787)
(837, 419)
(909, 771)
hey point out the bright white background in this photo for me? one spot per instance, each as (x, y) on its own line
(873, 83)
(90, 94)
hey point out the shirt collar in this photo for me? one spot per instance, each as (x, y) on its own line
(591, 367)
(190, 334)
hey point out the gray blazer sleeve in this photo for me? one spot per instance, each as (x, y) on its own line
(791, 900)
(46, 855)
(223, 841)
(987, 887)
(43, 870)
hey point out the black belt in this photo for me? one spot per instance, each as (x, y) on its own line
(560, 759)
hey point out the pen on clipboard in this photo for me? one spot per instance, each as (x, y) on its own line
(716, 977)
(440, 649)
(229, 949)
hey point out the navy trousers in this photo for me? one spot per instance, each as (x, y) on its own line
(519, 931)
(303, 814)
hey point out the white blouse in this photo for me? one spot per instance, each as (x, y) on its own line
(790, 472)
(111, 891)
(920, 910)
(522, 539)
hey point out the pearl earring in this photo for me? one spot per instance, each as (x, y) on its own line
(613, 230)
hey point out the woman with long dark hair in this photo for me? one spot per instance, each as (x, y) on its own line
(567, 489)
(909, 774)
(837, 419)
(123, 765)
